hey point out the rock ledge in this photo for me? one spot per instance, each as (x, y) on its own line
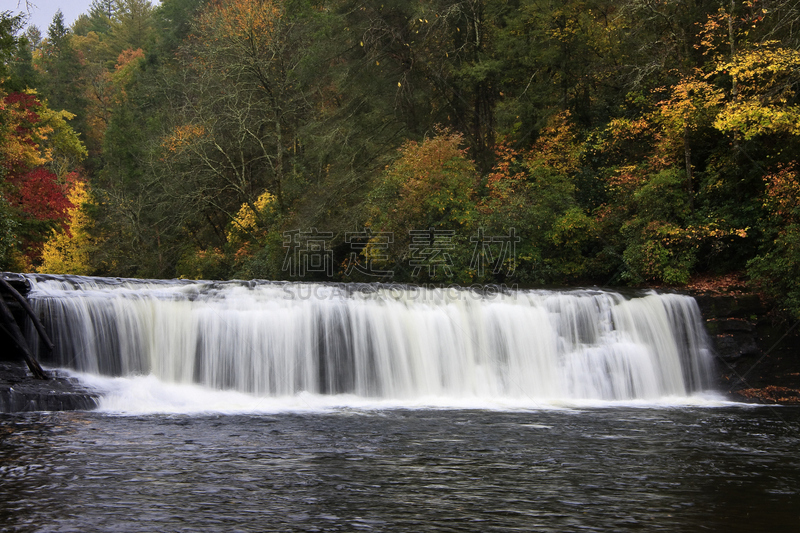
(20, 392)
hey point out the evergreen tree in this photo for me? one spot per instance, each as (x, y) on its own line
(61, 71)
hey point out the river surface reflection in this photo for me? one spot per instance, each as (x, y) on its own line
(600, 469)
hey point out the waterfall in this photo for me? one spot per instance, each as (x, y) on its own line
(379, 341)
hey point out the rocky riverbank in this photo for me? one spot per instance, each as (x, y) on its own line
(757, 344)
(19, 391)
(757, 348)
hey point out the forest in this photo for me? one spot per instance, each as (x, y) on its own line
(527, 142)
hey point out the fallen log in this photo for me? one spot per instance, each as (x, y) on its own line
(10, 326)
(27, 307)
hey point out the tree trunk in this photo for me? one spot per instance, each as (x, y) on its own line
(10, 326)
(687, 155)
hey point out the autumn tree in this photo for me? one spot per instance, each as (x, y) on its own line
(622, 142)
(764, 116)
(425, 202)
(37, 150)
(766, 100)
(236, 129)
(131, 94)
(70, 249)
(142, 216)
(775, 268)
(250, 251)
(534, 194)
(243, 104)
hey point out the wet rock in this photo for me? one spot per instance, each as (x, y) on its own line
(717, 326)
(729, 306)
(756, 347)
(20, 392)
(732, 346)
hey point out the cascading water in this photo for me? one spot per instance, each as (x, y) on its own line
(279, 339)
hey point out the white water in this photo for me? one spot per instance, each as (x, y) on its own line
(143, 395)
(259, 345)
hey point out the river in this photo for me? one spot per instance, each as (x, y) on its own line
(612, 468)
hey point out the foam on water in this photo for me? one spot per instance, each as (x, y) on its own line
(146, 395)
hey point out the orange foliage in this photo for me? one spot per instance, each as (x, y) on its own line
(733, 283)
(249, 22)
(22, 132)
(772, 394)
(126, 56)
(507, 167)
(783, 191)
(104, 89)
(693, 102)
(431, 184)
(429, 170)
(123, 72)
(557, 147)
(99, 91)
(622, 132)
(182, 137)
(627, 178)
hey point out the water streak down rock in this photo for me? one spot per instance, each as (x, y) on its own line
(376, 340)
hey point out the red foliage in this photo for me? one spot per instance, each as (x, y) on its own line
(39, 195)
(25, 105)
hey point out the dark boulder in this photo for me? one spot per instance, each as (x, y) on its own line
(20, 392)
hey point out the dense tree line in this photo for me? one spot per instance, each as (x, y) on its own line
(465, 141)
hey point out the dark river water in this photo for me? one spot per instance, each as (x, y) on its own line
(598, 469)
